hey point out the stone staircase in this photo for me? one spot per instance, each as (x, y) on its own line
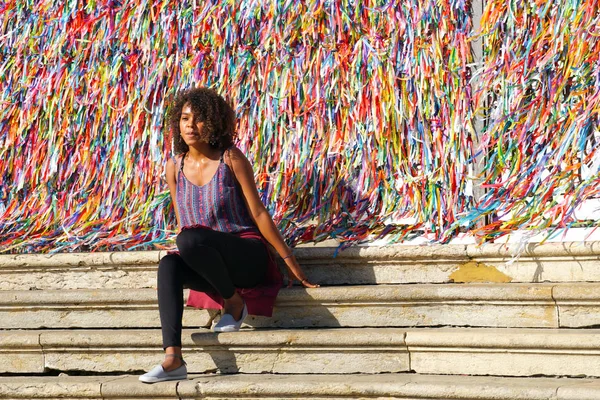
(396, 322)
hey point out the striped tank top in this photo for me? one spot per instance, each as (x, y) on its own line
(217, 205)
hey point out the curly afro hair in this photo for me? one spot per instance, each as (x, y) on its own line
(210, 108)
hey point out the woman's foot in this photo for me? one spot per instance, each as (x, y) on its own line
(234, 313)
(172, 362)
(234, 306)
(161, 374)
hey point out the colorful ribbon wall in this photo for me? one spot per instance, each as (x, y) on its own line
(539, 88)
(354, 114)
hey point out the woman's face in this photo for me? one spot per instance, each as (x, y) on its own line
(189, 126)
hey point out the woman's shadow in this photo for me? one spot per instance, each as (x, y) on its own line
(295, 308)
(298, 307)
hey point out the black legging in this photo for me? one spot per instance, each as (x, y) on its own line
(209, 261)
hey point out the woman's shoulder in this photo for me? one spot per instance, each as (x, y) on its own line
(172, 165)
(233, 150)
(234, 154)
(175, 159)
(236, 160)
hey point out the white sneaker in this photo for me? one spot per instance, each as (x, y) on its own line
(228, 324)
(158, 374)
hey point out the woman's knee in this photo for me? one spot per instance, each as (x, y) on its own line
(189, 239)
(168, 266)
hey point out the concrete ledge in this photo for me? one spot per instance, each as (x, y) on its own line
(309, 253)
(220, 387)
(127, 387)
(388, 386)
(50, 387)
(20, 351)
(557, 249)
(80, 308)
(415, 305)
(485, 305)
(578, 305)
(62, 260)
(299, 351)
(508, 352)
(75, 276)
(555, 262)
(476, 305)
(460, 351)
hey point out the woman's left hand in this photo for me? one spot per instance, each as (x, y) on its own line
(306, 283)
(296, 273)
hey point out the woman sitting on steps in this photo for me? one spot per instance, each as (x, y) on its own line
(224, 227)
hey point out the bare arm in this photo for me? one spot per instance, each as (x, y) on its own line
(245, 176)
(170, 175)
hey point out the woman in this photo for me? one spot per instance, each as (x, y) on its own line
(224, 226)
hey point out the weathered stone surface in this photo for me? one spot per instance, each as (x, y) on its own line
(90, 318)
(78, 277)
(472, 271)
(579, 391)
(78, 270)
(304, 360)
(46, 387)
(578, 305)
(534, 250)
(388, 386)
(556, 262)
(61, 260)
(552, 262)
(280, 338)
(307, 351)
(96, 308)
(301, 351)
(102, 350)
(562, 262)
(19, 339)
(20, 352)
(127, 387)
(103, 338)
(381, 264)
(103, 360)
(514, 305)
(392, 272)
(392, 252)
(508, 352)
(546, 269)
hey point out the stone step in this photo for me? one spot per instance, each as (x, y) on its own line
(544, 305)
(330, 387)
(459, 351)
(554, 262)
